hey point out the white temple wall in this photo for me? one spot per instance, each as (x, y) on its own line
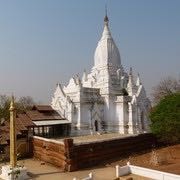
(69, 111)
(76, 114)
(119, 120)
(122, 114)
(109, 114)
(132, 119)
(85, 114)
(106, 109)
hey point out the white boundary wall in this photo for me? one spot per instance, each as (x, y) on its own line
(149, 173)
(89, 177)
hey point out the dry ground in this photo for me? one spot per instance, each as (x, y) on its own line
(168, 157)
(37, 171)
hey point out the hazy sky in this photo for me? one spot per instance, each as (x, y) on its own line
(43, 42)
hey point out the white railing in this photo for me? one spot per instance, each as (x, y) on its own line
(149, 173)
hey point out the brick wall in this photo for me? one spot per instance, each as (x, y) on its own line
(70, 156)
(49, 151)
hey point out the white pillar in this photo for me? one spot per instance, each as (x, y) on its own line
(117, 171)
(131, 123)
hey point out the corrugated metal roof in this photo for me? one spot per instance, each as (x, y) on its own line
(51, 122)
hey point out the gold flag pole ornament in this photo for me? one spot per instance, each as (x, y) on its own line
(13, 148)
(13, 171)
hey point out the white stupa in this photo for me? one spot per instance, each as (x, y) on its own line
(106, 99)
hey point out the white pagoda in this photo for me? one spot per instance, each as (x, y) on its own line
(108, 99)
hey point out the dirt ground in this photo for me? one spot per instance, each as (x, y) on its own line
(40, 171)
(164, 159)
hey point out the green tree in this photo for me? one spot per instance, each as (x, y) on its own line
(165, 118)
(165, 87)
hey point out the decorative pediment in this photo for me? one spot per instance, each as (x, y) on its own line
(74, 82)
(59, 91)
(59, 100)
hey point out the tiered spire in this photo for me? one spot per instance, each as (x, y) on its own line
(106, 31)
(107, 52)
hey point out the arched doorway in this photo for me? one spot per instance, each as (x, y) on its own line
(96, 125)
(142, 120)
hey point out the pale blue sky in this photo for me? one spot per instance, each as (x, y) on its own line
(43, 42)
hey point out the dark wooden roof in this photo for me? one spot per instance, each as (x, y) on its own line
(42, 108)
(25, 120)
(43, 112)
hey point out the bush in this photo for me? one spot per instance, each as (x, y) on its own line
(165, 119)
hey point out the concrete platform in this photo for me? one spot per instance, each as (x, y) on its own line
(95, 137)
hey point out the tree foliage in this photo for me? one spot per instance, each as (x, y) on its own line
(4, 107)
(165, 118)
(25, 103)
(165, 87)
(22, 104)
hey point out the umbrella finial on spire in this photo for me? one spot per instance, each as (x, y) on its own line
(106, 19)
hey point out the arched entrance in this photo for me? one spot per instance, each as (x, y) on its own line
(96, 125)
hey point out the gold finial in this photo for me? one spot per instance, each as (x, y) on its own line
(12, 104)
